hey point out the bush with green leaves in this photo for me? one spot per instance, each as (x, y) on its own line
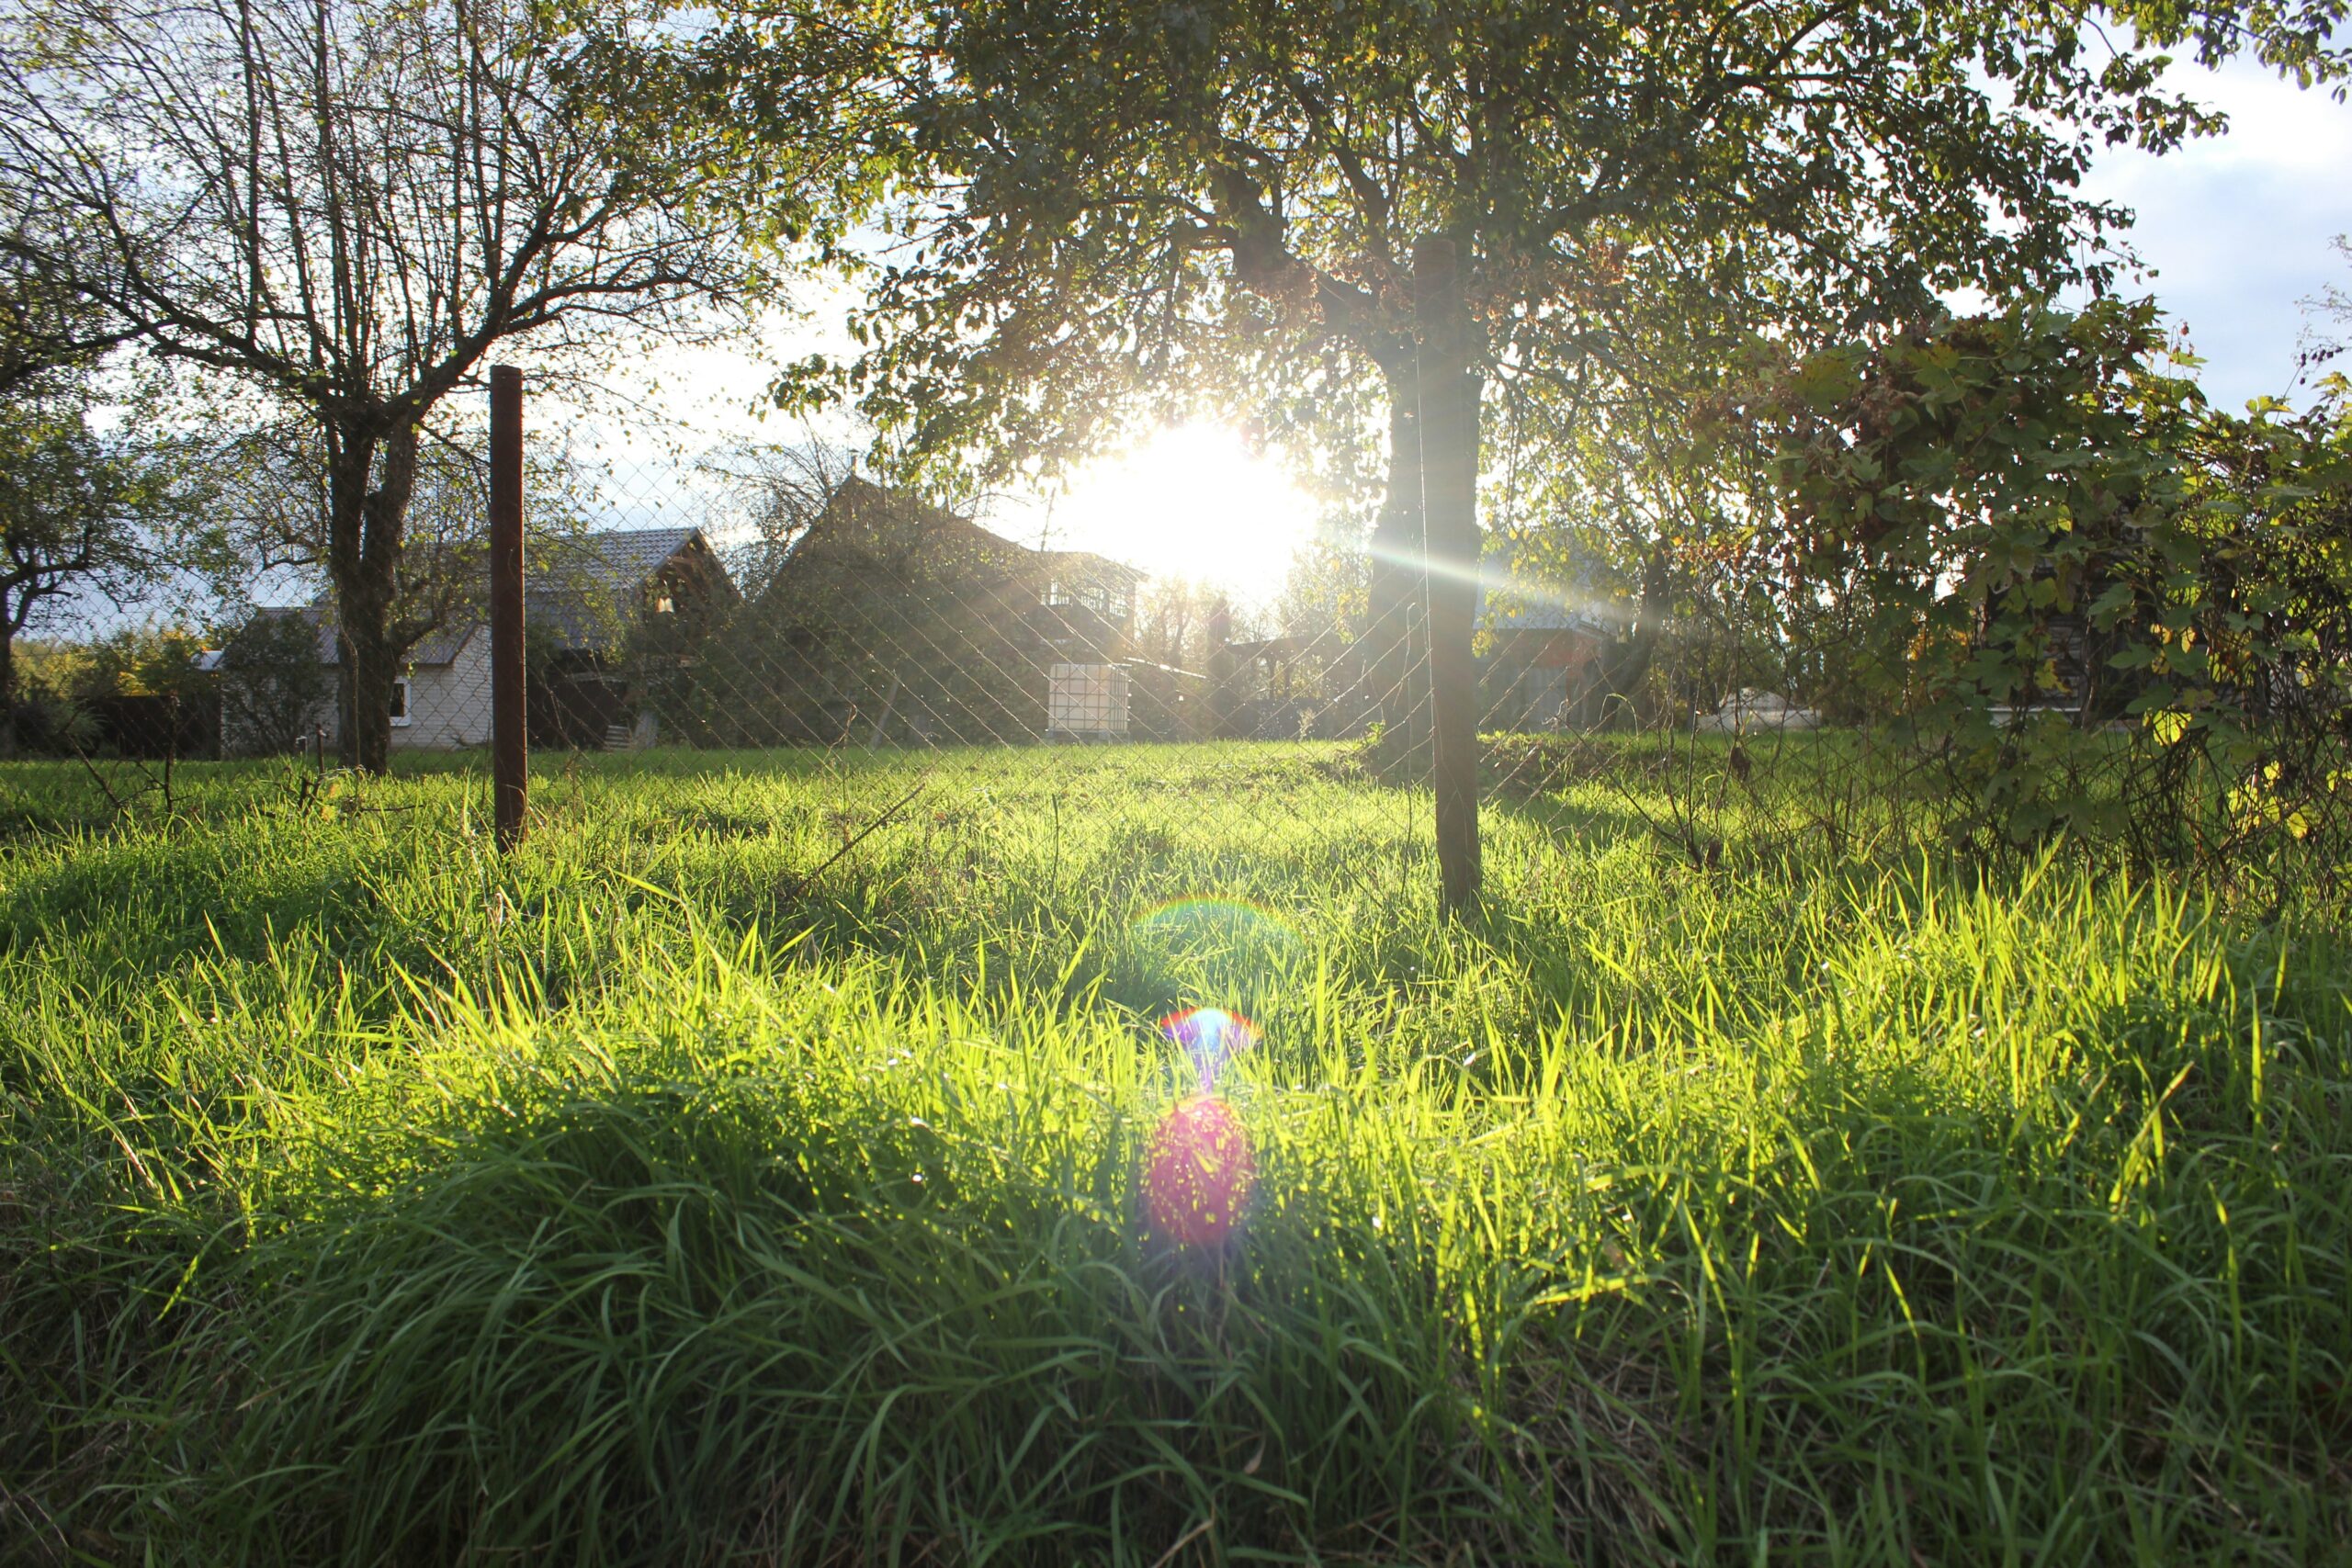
(274, 687)
(2100, 609)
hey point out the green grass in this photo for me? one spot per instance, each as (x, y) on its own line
(643, 1200)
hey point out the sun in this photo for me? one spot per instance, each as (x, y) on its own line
(1190, 501)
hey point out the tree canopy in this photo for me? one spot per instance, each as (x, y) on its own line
(1295, 208)
(1115, 207)
(344, 207)
(83, 510)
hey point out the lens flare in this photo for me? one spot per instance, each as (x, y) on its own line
(1198, 1172)
(1210, 1037)
(1218, 919)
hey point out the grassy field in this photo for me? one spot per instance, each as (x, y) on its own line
(668, 1195)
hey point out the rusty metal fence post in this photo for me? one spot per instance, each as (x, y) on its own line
(509, 748)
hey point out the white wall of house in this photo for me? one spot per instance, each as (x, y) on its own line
(449, 705)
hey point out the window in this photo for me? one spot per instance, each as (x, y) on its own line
(662, 604)
(400, 702)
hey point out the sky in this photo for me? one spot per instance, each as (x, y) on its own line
(2238, 229)
(2235, 232)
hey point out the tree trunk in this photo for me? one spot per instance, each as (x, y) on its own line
(7, 682)
(1391, 676)
(1623, 666)
(364, 536)
(1450, 390)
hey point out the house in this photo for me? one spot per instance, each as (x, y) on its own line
(891, 618)
(1536, 657)
(440, 702)
(613, 621)
(609, 619)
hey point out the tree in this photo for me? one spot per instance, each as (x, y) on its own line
(272, 683)
(1618, 488)
(1123, 206)
(1172, 620)
(776, 491)
(345, 207)
(266, 531)
(141, 690)
(2334, 302)
(2028, 531)
(74, 504)
(80, 512)
(44, 325)
(1325, 591)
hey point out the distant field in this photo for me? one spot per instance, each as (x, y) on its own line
(668, 1195)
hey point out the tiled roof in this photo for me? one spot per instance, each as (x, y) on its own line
(861, 501)
(585, 592)
(615, 562)
(574, 585)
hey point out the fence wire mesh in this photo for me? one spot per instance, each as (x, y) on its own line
(938, 671)
(761, 612)
(893, 661)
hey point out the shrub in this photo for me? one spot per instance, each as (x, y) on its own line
(273, 683)
(2104, 611)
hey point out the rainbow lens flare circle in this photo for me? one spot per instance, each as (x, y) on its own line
(1210, 1037)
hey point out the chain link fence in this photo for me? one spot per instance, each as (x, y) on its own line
(773, 609)
(760, 608)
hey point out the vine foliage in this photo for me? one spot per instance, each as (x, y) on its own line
(2100, 609)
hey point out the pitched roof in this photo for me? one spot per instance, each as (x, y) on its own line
(858, 501)
(619, 560)
(583, 591)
